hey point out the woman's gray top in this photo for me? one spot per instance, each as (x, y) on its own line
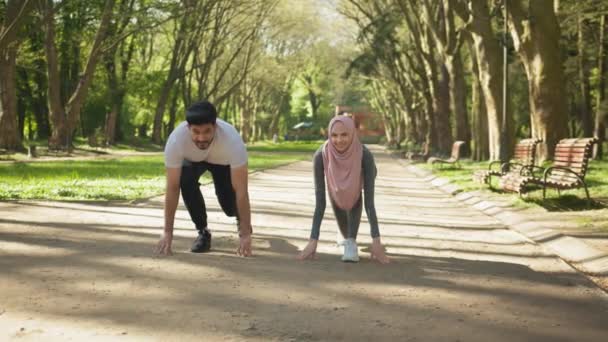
(368, 167)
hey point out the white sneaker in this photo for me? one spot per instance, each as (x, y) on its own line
(339, 239)
(351, 253)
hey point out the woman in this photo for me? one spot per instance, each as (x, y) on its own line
(348, 167)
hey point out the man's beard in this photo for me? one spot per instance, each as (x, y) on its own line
(203, 145)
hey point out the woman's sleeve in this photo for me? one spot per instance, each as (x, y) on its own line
(319, 175)
(369, 180)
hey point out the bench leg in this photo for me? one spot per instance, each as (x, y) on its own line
(588, 197)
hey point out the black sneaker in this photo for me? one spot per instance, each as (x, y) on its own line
(202, 244)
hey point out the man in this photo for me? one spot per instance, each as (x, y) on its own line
(205, 143)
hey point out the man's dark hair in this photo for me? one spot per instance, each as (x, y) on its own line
(201, 113)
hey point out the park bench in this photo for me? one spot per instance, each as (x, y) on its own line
(521, 164)
(570, 165)
(454, 157)
(422, 155)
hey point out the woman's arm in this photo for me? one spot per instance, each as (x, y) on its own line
(369, 183)
(309, 252)
(319, 178)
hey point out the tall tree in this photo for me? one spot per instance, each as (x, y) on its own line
(440, 20)
(585, 96)
(437, 78)
(480, 149)
(65, 118)
(476, 15)
(117, 61)
(12, 14)
(600, 108)
(535, 32)
(193, 20)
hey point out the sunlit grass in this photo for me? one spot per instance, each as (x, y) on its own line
(285, 146)
(596, 179)
(125, 178)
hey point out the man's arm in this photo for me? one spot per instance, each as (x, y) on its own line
(171, 196)
(171, 200)
(239, 177)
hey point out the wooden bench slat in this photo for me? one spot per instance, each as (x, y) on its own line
(525, 146)
(569, 155)
(569, 149)
(573, 166)
(562, 179)
(574, 144)
(569, 161)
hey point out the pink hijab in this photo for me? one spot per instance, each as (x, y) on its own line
(343, 170)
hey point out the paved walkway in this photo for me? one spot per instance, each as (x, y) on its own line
(74, 270)
(564, 233)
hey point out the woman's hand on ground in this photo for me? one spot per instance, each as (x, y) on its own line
(378, 253)
(310, 251)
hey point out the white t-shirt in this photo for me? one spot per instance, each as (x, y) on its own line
(227, 147)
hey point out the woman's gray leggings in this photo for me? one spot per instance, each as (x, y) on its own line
(348, 220)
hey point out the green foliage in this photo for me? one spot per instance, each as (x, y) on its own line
(95, 109)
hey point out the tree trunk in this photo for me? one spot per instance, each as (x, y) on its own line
(536, 36)
(65, 120)
(585, 98)
(489, 62)
(24, 92)
(410, 117)
(40, 101)
(379, 105)
(58, 139)
(481, 148)
(254, 122)
(245, 113)
(179, 56)
(458, 101)
(482, 151)
(76, 101)
(600, 128)
(173, 112)
(14, 12)
(115, 93)
(276, 115)
(245, 124)
(163, 98)
(441, 108)
(9, 134)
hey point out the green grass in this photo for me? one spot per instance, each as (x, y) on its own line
(597, 180)
(285, 146)
(125, 178)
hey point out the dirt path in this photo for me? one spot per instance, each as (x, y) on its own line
(86, 271)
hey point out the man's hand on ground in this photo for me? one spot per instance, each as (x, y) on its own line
(244, 249)
(164, 245)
